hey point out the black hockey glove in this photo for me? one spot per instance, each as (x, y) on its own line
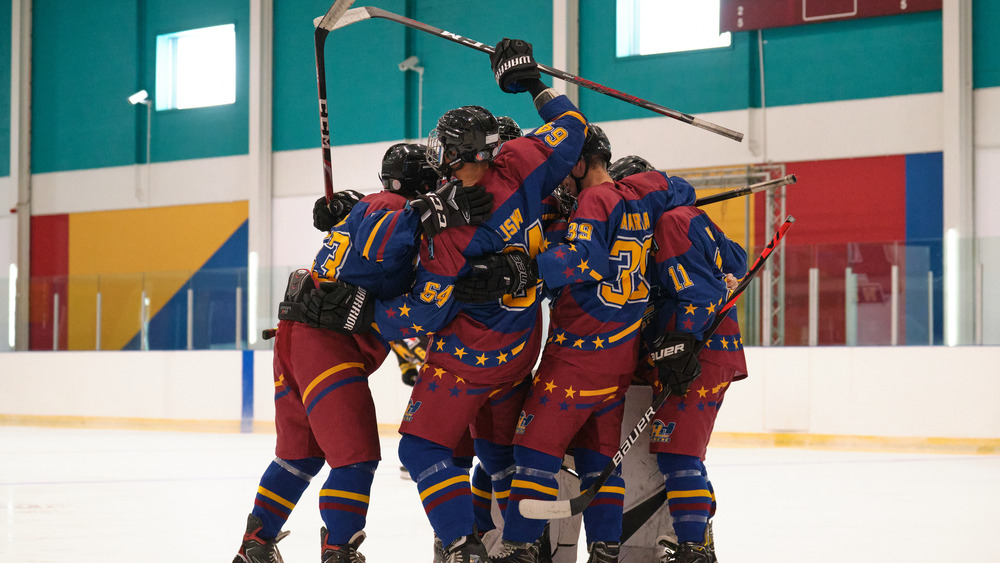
(328, 214)
(676, 363)
(341, 307)
(453, 205)
(514, 66)
(410, 375)
(496, 275)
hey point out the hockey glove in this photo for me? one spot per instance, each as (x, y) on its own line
(453, 205)
(409, 372)
(328, 214)
(514, 66)
(496, 275)
(676, 363)
(341, 307)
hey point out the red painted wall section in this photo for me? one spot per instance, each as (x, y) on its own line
(849, 213)
(49, 270)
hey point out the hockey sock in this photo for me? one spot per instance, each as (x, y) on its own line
(498, 461)
(482, 499)
(535, 478)
(688, 495)
(444, 488)
(343, 501)
(281, 486)
(602, 520)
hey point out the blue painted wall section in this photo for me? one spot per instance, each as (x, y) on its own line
(924, 228)
(214, 288)
(246, 381)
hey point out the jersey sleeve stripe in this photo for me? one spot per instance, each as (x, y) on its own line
(371, 238)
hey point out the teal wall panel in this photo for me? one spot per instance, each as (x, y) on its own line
(850, 60)
(985, 44)
(81, 76)
(364, 87)
(690, 82)
(5, 81)
(198, 132)
(457, 75)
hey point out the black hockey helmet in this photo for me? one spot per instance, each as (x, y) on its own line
(509, 129)
(628, 165)
(405, 170)
(465, 134)
(596, 143)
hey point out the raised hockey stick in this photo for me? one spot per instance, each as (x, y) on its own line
(368, 12)
(323, 26)
(553, 509)
(746, 190)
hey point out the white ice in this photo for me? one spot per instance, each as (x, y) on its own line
(86, 495)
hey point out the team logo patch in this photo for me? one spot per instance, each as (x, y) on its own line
(523, 422)
(660, 432)
(411, 409)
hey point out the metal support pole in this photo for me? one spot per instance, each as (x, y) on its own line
(97, 329)
(813, 306)
(850, 308)
(55, 321)
(765, 313)
(894, 308)
(930, 308)
(239, 315)
(143, 339)
(190, 319)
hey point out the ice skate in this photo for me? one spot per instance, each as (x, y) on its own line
(341, 553)
(516, 552)
(256, 549)
(466, 549)
(688, 552)
(603, 552)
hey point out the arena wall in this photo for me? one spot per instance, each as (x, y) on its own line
(841, 397)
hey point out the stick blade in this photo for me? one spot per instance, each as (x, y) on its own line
(333, 15)
(545, 509)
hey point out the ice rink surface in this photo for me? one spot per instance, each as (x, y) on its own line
(84, 495)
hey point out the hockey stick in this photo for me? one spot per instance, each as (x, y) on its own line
(746, 190)
(368, 12)
(551, 509)
(323, 26)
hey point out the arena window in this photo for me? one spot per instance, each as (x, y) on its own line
(196, 68)
(649, 27)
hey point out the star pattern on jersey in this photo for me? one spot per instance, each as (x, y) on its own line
(404, 311)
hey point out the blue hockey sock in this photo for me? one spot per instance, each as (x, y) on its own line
(602, 519)
(535, 479)
(498, 461)
(444, 488)
(343, 501)
(482, 499)
(689, 497)
(281, 486)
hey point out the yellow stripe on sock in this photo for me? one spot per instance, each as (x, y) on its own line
(343, 494)
(431, 490)
(522, 484)
(264, 492)
(688, 494)
(482, 494)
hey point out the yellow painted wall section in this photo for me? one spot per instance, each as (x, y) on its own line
(122, 253)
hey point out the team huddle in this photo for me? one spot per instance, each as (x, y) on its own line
(471, 235)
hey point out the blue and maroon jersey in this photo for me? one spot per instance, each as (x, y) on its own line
(600, 269)
(492, 342)
(691, 260)
(375, 247)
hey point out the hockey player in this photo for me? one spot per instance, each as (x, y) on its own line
(479, 354)
(578, 394)
(323, 406)
(694, 266)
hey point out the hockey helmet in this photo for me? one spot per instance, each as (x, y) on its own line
(405, 170)
(596, 143)
(509, 129)
(628, 165)
(465, 134)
